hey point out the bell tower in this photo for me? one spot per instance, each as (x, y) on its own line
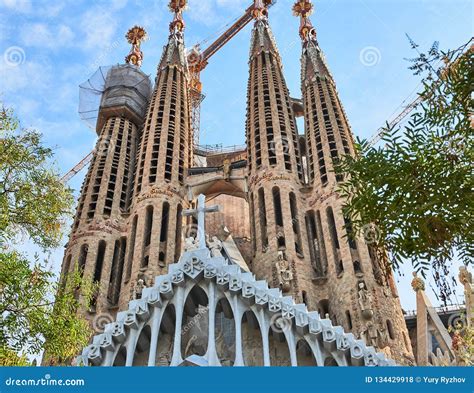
(164, 155)
(274, 167)
(350, 284)
(98, 240)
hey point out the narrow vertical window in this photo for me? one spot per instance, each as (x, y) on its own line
(334, 241)
(295, 224)
(262, 218)
(147, 236)
(252, 221)
(83, 258)
(164, 233)
(280, 234)
(349, 319)
(179, 224)
(118, 261)
(391, 332)
(99, 262)
(133, 236)
(67, 266)
(352, 245)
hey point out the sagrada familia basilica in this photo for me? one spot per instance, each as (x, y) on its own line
(233, 257)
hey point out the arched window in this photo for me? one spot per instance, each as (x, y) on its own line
(296, 224)
(147, 235)
(262, 218)
(352, 245)
(82, 258)
(99, 262)
(334, 240)
(304, 297)
(278, 217)
(252, 221)
(317, 247)
(349, 319)
(164, 233)
(133, 236)
(67, 266)
(179, 224)
(391, 332)
(118, 262)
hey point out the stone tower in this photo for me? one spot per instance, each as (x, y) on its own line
(164, 155)
(349, 283)
(98, 240)
(274, 166)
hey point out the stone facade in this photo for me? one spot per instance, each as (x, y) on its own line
(208, 312)
(288, 226)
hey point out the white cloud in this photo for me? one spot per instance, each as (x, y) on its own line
(118, 4)
(21, 6)
(203, 11)
(99, 27)
(41, 8)
(42, 35)
(28, 75)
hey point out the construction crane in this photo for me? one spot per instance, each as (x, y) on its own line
(406, 111)
(198, 60)
(77, 168)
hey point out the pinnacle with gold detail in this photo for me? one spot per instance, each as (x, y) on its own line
(135, 36)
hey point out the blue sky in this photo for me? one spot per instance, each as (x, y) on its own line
(48, 48)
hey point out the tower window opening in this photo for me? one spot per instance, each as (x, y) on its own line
(334, 241)
(262, 218)
(349, 320)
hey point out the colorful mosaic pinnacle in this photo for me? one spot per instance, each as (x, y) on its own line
(177, 7)
(135, 36)
(303, 9)
(260, 8)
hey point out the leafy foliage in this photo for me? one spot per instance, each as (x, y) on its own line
(417, 189)
(33, 201)
(36, 313)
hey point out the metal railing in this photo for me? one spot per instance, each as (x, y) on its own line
(218, 149)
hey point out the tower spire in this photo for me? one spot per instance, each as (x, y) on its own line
(177, 7)
(314, 62)
(260, 9)
(135, 36)
(303, 9)
(343, 267)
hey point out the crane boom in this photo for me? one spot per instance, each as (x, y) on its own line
(198, 61)
(226, 36)
(77, 168)
(379, 133)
